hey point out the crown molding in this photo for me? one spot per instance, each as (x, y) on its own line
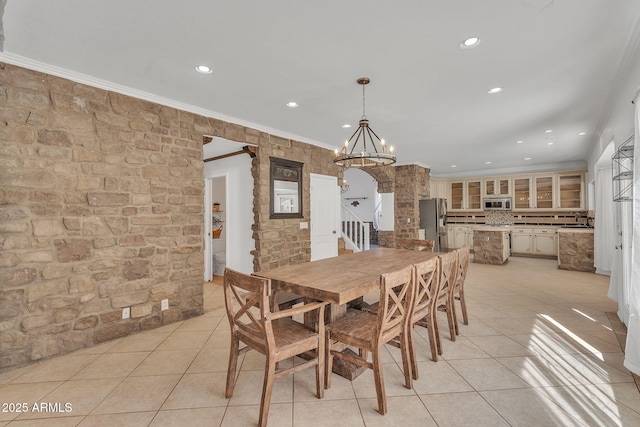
(88, 80)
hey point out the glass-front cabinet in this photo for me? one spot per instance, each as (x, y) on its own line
(570, 191)
(456, 195)
(497, 187)
(543, 190)
(474, 195)
(556, 191)
(522, 193)
(465, 195)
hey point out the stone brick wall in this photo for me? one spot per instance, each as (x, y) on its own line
(281, 241)
(101, 208)
(412, 185)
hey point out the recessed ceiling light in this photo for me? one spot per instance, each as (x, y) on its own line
(495, 90)
(550, 143)
(203, 69)
(581, 133)
(487, 163)
(527, 158)
(346, 126)
(470, 42)
(548, 131)
(454, 166)
(292, 104)
(519, 142)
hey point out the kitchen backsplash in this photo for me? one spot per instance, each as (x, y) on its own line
(498, 217)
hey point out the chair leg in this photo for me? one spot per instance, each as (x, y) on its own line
(379, 381)
(269, 371)
(463, 306)
(233, 364)
(405, 347)
(328, 362)
(412, 353)
(436, 332)
(320, 368)
(434, 342)
(451, 320)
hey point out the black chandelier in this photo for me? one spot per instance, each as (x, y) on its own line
(368, 155)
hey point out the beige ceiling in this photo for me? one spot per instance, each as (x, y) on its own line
(558, 62)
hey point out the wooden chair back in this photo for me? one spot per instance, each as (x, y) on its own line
(415, 244)
(426, 287)
(248, 309)
(448, 273)
(463, 267)
(396, 302)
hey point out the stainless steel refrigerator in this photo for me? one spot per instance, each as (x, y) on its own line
(433, 219)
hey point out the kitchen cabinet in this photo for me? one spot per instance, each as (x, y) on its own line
(534, 241)
(439, 188)
(460, 236)
(522, 193)
(497, 187)
(465, 195)
(544, 242)
(521, 241)
(543, 192)
(570, 191)
(456, 193)
(556, 191)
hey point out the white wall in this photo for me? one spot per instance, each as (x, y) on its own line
(361, 185)
(238, 209)
(618, 120)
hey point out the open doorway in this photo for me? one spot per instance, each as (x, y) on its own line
(228, 215)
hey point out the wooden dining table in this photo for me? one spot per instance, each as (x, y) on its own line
(342, 279)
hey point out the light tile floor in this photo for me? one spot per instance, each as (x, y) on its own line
(540, 350)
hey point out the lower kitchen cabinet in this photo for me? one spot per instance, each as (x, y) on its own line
(460, 236)
(521, 241)
(544, 242)
(534, 241)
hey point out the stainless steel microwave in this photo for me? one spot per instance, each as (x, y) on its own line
(497, 204)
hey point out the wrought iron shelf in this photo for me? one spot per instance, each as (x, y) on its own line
(622, 161)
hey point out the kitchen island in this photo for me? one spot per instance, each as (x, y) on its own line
(491, 244)
(575, 249)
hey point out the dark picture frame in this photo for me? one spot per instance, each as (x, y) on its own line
(285, 189)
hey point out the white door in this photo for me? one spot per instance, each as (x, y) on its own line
(324, 216)
(208, 250)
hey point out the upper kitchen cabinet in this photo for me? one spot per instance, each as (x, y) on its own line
(570, 191)
(456, 195)
(465, 195)
(522, 193)
(544, 192)
(497, 187)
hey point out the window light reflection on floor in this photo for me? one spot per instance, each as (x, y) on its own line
(573, 336)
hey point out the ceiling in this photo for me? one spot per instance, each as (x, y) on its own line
(556, 60)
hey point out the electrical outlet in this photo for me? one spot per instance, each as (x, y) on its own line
(126, 313)
(164, 304)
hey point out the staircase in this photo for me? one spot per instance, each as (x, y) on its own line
(355, 232)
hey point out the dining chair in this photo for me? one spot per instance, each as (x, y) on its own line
(415, 244)
(274, 334)
(369, 332)
(458, 291)
(424, 308)
(444, 300)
